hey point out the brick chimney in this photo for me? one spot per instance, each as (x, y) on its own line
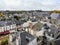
(30, 24)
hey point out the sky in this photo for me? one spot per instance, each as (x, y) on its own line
(29, 4)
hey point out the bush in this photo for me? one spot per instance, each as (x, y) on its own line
(5, 41)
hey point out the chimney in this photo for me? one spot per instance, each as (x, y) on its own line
(10, 37)
(17, 41)
(30, 24)
(10, 40)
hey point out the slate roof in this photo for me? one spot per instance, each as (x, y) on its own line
(25, 38)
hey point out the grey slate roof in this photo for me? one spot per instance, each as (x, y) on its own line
(54, 16)
(3, 23)
(25, 38)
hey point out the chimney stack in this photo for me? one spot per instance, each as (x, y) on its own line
(17, 41)
(30, 25)
(10, 40)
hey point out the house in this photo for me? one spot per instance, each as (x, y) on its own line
(34, 28)
(55, 15)
(22, 38)
(6, 27)
(53, 36)
(27, 24)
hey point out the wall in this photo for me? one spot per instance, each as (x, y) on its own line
(9, 27)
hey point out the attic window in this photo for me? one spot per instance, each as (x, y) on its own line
(28, 39)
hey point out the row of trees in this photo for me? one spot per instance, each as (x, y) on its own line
(55, 11)
(1, 15)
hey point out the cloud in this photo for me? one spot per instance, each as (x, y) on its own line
(11, 2)
(47, 2)
(29, 4)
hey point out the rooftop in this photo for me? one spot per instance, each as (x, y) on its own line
(38, 26)
(3, 23)
(25, 38)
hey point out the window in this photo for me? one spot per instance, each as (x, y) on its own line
(0, 29)
(8, 27)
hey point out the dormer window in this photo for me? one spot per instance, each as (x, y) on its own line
(28, 39)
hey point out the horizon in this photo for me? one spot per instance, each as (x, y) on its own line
(27, 10)
(45, 5)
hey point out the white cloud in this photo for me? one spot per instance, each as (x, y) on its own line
(47, 2)
(12, 3)
(29, 4)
